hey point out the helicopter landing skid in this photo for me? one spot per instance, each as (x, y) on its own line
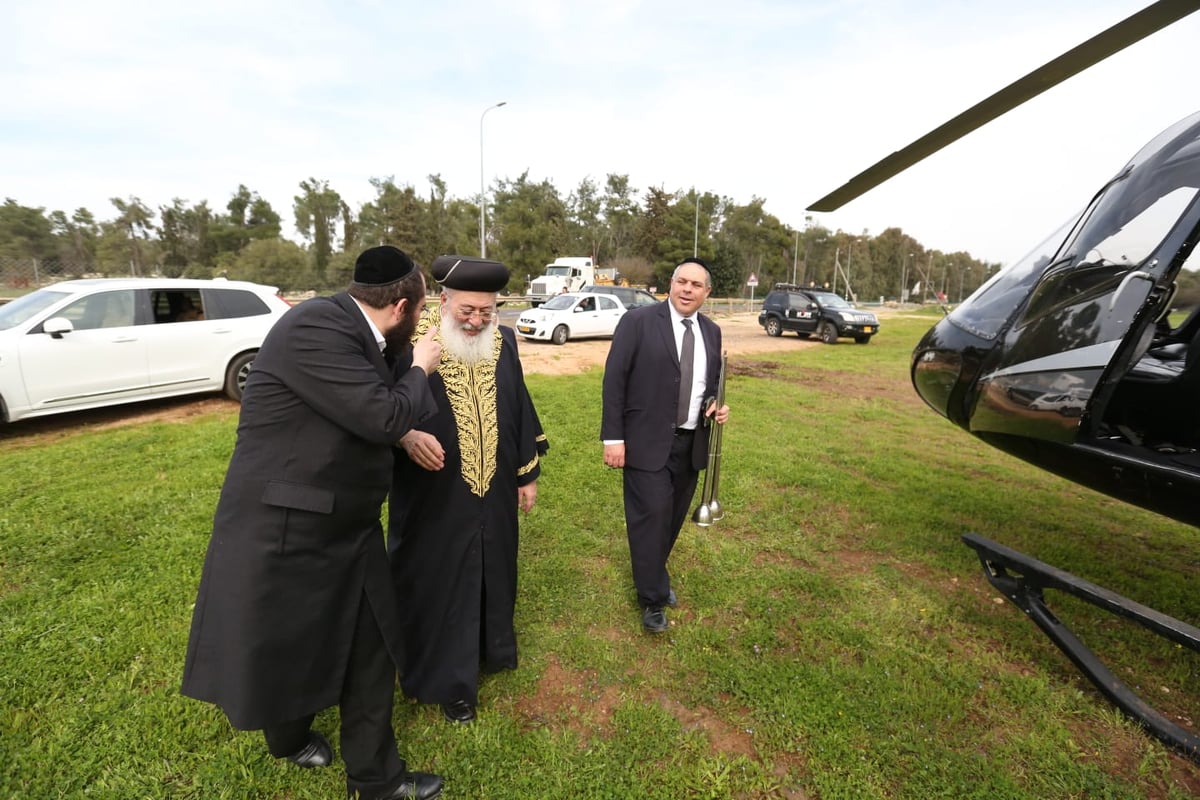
(1023, 580)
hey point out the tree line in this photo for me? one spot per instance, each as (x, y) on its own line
(640, 233)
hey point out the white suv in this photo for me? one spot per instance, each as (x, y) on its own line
(104, 341)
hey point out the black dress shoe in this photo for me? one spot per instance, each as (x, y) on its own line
(418, 785)
(317, 753)
(671, 598)
(458, 711)
(654, 620)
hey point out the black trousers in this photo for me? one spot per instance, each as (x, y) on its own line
(656, 504)
(368, 743)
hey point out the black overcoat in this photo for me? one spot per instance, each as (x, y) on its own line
(297, 542)
(453, 533)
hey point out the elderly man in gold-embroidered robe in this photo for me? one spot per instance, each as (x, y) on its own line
(460, 478)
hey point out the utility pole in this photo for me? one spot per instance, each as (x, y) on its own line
(482, 189)
(795, 256)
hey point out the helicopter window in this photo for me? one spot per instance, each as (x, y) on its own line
(1185, 305)
(1108, 247)
(1137, 238)
(986, 311)
(1119, 231)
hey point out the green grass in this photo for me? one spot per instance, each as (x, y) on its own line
(834, 637)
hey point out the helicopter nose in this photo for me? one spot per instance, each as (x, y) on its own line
(935, 374)
(937, 365)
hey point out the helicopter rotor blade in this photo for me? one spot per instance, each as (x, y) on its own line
(1126, 32)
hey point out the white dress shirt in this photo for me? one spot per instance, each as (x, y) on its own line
(699, 360)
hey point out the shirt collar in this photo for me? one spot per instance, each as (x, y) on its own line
(379, 340)
(676, 317)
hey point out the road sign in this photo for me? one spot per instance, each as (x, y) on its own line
(752, 281)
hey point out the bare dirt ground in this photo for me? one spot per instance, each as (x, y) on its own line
(741, 335)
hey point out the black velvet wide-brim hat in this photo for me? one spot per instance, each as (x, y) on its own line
(469, 274)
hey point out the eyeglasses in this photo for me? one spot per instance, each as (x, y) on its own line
(465, 313)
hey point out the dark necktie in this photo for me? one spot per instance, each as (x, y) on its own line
(686, 354)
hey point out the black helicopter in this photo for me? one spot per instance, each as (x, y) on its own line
(1076, 358)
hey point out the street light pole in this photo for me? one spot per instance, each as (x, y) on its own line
(796, 256)
(482, 193)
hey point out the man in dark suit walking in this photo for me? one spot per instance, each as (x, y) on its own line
(657, 378)
(296, 610)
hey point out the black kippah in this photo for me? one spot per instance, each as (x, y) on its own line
(694, 260)
(381, 266)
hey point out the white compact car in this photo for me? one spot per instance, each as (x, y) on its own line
(571, 316)
(100, 342)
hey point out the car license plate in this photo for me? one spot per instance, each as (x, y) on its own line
(525, 328)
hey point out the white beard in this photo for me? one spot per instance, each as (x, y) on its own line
(468, 349)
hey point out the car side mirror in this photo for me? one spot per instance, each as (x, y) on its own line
(57, 326)
(812, 306)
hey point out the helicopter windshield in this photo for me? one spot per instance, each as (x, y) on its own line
(1122, 230)
(986, 311)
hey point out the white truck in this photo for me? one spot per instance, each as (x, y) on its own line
(561, 275)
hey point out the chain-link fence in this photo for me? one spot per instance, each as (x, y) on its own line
(30, 273)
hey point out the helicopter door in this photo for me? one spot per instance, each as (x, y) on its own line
(1085, 312)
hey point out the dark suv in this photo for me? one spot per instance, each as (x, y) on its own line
(629, 296)
(809, 310)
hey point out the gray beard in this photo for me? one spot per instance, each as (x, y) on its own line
(467, 349)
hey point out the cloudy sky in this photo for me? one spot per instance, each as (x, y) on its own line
(780, 99)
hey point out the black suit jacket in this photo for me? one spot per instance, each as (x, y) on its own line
(641, 385)
(297, 541)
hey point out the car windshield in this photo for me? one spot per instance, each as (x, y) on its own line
(560, 302)
(27, 306)
(558, 271)
(831, 300)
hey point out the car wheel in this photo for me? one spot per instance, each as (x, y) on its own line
(236, 374)
(773, 327)
(828, 333)
(862, 339)
(560, 335)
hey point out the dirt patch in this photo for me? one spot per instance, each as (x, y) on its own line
(590, 707)
(741, 335)
(59, 426)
